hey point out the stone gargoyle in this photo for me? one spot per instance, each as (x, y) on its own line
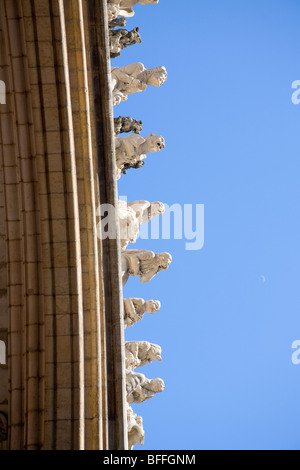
(133, 215)
(127, 124)
(134, 310)
(121, 39)
(140, 353)
(143, 263)
(131, 150)
(134, 78)
(140, 389)
(136, 433)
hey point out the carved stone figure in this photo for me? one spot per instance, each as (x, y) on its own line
(136, 433)
(134, 78)
(3, 427)
(125, 7)
(131, 150)
(130, 166)
(121, 38)
(145, 211)
(121, 22)
(140, 353)
(113, 11)
(134, 310)
(143, 263)
(140, 389)
(132, 215)
(126, 125)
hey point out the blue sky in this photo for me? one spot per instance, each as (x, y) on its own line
(232, 143)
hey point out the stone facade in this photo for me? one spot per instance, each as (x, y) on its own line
(130, 153)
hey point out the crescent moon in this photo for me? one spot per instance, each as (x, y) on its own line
(263, 278)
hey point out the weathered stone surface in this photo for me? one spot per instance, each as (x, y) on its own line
(113, 11)
(121, 22)
(126, 125)
(121, 39)
(62, 282)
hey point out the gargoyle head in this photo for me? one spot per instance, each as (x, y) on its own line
(165, 259)
(152, 306)
(157, 76)
(155, 142)
(155, 352)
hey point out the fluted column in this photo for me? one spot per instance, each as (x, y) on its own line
(66, 380)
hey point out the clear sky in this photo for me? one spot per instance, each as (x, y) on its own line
(231, 311)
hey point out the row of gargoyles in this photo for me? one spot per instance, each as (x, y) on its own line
(130, 153)
(138, 387)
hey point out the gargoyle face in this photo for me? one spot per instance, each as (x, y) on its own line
(153, 306)
(157, 142)
(157, 208)
(135, 130)
(158, 77)
(165, 260)
(155, 352)
(161, 144)
(139, 164)
(158, 385)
